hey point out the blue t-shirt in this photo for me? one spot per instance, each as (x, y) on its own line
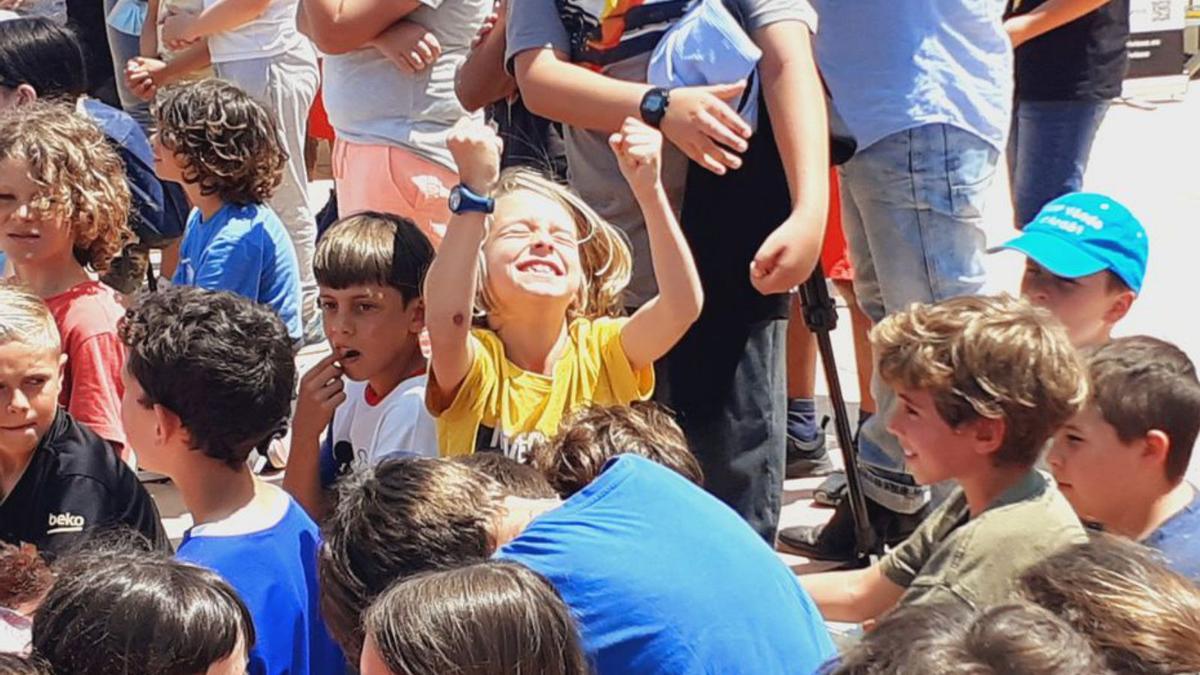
(1178, 540)
(243, 249)
(893, 66)
(664, 578)
(275, 572)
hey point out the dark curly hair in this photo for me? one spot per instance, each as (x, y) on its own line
(229, 143)
(80, 178)
(219, 361)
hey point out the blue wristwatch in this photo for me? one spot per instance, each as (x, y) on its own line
(463, 200)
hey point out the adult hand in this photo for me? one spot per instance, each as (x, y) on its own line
(176, 30)
(638, 148)
(476, 151)
(144, 76)
(787, 257)
(699, 122)
(409, 45)
(321, 392)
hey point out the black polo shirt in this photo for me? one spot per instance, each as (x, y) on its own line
(74, 484)
(1084, 60)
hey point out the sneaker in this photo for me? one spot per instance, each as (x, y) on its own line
(806, 459)
(835, 540)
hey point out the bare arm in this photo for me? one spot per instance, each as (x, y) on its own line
(796, 104)
(220, 17)
(661, 322)
(482, 79)
(321, 392)
(340, 26)
(453, 276)
(1024, 27)
(148, 41)
(852, 596)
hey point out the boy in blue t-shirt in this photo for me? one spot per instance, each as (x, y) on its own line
(1122, 460)
(224, 148)
(631, 553)
(209, 377)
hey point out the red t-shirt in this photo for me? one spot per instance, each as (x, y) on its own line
(87, 317)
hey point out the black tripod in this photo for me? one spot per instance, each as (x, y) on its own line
(820, 315)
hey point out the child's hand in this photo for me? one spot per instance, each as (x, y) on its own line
(176, 32)
(409, 45)
(699, 122)
(638, 148)
(321, 392)
(476, 150)
(144, 76)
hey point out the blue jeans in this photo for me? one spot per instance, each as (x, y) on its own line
(912, 210)
(122, 47)
(1048, 151)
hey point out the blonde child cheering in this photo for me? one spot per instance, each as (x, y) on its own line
(542, 277)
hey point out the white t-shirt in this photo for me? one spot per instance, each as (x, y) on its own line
(397, 424)
(271, 34)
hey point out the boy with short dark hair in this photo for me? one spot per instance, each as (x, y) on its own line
(983, 383)
(223, 147)
(209, 377)
(1086, 262)
(58, 479)
(1134, 439)
(370, 271)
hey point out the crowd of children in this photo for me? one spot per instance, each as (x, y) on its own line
(551, 431)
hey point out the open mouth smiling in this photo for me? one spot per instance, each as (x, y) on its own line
(540, 266)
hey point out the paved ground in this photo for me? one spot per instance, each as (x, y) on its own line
(1148, 157)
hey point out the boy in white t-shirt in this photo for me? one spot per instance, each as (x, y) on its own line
(370, 268)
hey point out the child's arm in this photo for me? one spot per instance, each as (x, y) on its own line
(1048, 16)
(321, 392)
(220, 17)
(659, 323)
(482, 79)
(797, 107)
(148, 40)
(696, 120)
(147, 75)
(409, 45)
(852, 596)
(452, 278)
(340, 26)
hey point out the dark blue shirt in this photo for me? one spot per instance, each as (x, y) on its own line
(1178, 540)
(275, 573)
(664, 578)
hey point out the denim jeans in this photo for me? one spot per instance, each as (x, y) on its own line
(1048, 151)
(912, 210)
(122, 47)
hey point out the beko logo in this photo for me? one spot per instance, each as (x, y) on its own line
(64, 522)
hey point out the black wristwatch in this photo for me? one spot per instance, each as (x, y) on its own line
(654, 106)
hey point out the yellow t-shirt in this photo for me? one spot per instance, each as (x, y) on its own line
(498, 403)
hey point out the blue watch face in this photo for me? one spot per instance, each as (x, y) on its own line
(655, 101)
(455, 199)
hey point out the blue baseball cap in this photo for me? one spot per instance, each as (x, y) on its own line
(1083, 233)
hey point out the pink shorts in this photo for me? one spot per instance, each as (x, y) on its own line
(392, 180)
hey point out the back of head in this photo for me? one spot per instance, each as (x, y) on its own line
(952, 639)
(1142, 383)
(228, 141)
(517, 479)
(220, 362)
(80, 178)
(24, 575)
(44, 55)
(374, 248)
(136, 612)
(992, 357)
(25, 319)
(1142, 616)
(589, 437)
(14, 664)
(402, 517)
(490, 618)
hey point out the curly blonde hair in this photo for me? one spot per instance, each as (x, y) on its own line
(229, 143)
(603, 251)
(987, 357)
(80, 177)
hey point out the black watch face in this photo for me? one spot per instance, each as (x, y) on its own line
(455, 199)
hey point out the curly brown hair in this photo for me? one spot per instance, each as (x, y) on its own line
(229, 143)
(81, 179)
